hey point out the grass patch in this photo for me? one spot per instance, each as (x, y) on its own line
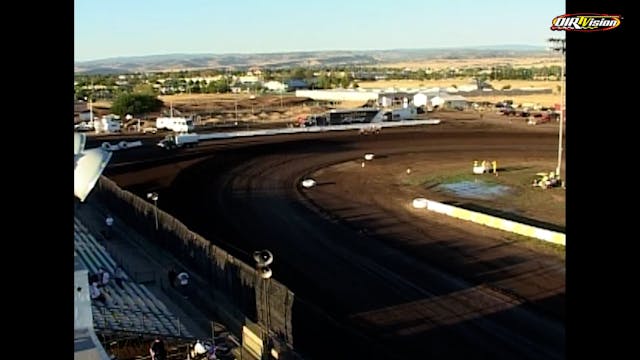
(449, 178)
(522, 199)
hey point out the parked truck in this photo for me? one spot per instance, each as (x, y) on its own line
(179, 140)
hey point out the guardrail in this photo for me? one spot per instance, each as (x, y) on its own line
(311, 129)
(494, 222)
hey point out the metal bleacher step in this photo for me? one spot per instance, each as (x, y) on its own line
(131, 308)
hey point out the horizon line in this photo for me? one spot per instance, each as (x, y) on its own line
(301, 51)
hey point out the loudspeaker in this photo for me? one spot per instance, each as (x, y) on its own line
(89, 165)
(263, 257)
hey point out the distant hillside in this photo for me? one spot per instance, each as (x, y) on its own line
(170, 62)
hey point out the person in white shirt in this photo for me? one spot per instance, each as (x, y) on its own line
(183, 281)
(109, 222)
(96, 294)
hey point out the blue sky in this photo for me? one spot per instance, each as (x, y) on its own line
(111, 28)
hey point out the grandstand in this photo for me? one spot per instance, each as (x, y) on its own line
(133, 308)
(139, 308)
(132, 316)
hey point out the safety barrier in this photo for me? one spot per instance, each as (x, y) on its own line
(496, 222)
(311, 129)
(226, 275)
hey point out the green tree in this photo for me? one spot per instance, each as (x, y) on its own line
(135, 104)
(298, 73)
(146, 89)
(220, 86)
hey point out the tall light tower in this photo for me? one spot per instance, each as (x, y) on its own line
(154, 197)
(559, 45)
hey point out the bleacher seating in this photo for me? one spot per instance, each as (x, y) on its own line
(132, 308)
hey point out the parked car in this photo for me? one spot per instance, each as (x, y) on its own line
(83, 126)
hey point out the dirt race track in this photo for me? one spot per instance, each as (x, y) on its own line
(408, 283)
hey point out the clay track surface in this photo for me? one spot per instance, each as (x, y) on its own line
(396, 283)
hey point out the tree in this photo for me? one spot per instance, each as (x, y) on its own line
(146, 89)
(135, 104)
(220, 86)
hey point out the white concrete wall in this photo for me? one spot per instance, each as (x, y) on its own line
(420, 99)
(338, 95)
(498, 223)
(82, 301)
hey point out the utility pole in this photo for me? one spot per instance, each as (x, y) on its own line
(559, 45)
(281, 91)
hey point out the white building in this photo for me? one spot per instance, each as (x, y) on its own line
(274, 86)
(450, 101)
(420, 99)
(248, 79)
(338, 95)
(107, 124)
(470, 87)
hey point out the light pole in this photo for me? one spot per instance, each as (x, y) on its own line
(281, 91)
(558, 45)
(154, 196)
(263, 259)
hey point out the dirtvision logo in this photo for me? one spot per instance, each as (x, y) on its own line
(585, 22)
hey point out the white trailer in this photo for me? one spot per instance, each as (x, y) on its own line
(107, 124)
(406, 113)
(179, 140)
(176, 124)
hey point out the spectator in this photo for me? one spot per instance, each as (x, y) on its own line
(198, 351)
(106, 276)
(157, 350)
(109, 223)
(94, 278)
(99, 278)
(183, 281)
(96, 294)
(118, 277)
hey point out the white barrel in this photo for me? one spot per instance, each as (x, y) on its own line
(420, 203)
(308, 183)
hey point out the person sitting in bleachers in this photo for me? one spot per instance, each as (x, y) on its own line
(157, 350)
(94, 278)
(197, 351)
(96, 294)
(105, 278)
